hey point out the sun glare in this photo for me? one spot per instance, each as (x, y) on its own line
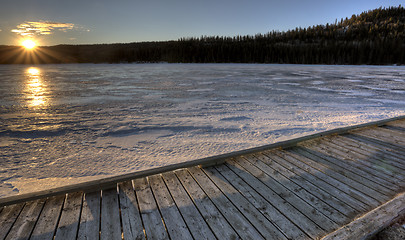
(28, 44)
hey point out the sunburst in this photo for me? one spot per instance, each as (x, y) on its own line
(28, 44)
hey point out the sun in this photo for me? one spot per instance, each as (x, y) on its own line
(28, 44)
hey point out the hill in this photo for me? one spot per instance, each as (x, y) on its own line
(372, 37)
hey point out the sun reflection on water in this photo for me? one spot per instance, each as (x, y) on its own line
(36, 89)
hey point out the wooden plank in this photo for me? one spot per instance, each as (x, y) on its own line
(377, 146)
(343, 156)
(241, 225)
(321, 180)
(69, 220)
(263, 225)
(195, 222)
(132, 227)
(48, 220)
(340, 156)
(343, 168)
(176, 227)
(350, 155)
(210, 213)
(396, 124)
(112, 181)
(267, 176)
(110, 224)
(394, 128)
(262, 203)
(89, 227)
(8, 216)
(327, 197)
(322, 201)
(369, 163)
(378, 163)
(377, 143)
(152, 220)
(373, 222)
(399, 135)
(381, 135)
(357, 189)
(369, 150)
(25, 222)
(305, 223)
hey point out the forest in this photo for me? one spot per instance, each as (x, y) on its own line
(375, 37)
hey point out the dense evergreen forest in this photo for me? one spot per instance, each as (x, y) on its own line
(372, 37)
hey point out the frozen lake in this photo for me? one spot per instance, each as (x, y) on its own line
(68, 123)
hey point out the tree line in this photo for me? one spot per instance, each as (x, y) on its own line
(372, 37)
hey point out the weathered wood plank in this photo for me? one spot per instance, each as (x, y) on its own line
(48, 220)
(330, 151)
(357, 189)
(195, 222)
(380, 154)
(394, 128)
(372, 152)
(327, 197)
(152, 220)
(305, 223)
(345, 156)
(382, 165)
(89, 227)
(377, 143)
(311, 196)
(69, 220)
(229, 211)
(268, 175)
(25, 222)
(176, 227)
(321, 180)
(363, 193)
(399, 135)
(263, 225)
(366, 163)
(110, 226)
(221, 228)
(343, 168)
(381, 135)
(373, 222)
(400, 124)
(374, 146)
(262, 203)
(131, 219)
(7, 218)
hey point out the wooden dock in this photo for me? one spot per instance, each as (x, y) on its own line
(327, 185)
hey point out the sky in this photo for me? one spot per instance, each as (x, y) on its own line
(52, 22)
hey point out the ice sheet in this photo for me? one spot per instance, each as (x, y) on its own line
(69, 123)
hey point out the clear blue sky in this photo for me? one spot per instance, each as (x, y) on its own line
(52, 22)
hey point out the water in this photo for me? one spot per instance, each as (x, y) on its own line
(62, 124)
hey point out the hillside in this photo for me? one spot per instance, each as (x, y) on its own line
(372, 37)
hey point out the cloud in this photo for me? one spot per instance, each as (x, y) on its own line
(41, 28)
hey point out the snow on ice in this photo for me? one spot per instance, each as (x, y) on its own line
(62, 124)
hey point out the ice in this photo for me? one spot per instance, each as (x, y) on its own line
(84, 121)
(318, 82)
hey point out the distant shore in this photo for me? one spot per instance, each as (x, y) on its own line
(370, 38)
